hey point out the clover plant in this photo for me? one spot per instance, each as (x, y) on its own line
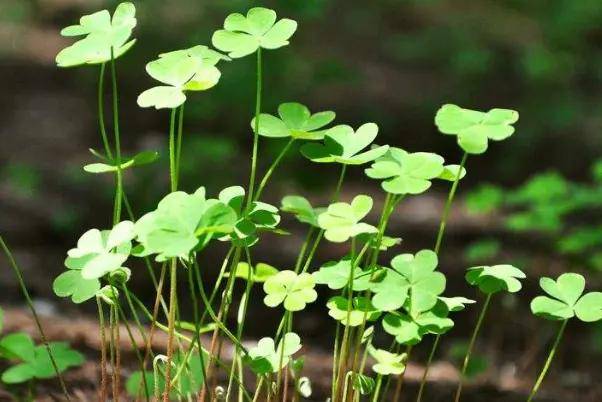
(368, 300)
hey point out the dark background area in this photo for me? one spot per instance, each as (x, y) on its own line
(393, 62)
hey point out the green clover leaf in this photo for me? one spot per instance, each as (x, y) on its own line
(411, 278)
(103, 34)
(35, 362)
(493, 279)
(341, 220)
(387, 363)
(343, 145)
(72, 284)
(243, 35)
(261, 273)
(335, 274)
(266, 358)
(567, 299)
(295, 121)
(293, 290)
(363, 384)
(406, 173)
(101, 252)
(183, 223)
(261, 216)
(142, 158)
(457, 303)
(450, 172)
(475, 128)
(409, 329)
(182, 70)
(339, 309)
(302, 209)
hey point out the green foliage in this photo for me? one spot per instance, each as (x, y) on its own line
(475, 128)
(484, 199)
(106, 37)
(33, 362)
(140, 159)
(496, 278)
(261, 273)
(406, 173)
(302, 209)
(181, 70)
(336, 274)
(352, 315)
(387, 363)
(72, 284)
(477, 365)
(101, 252)
(409, 328)
(293, 290)
(344, 145)
(567, 299)
(183, 223)
(341, 220)
(295, 121)
(244, 35)
(363, 384)
(266, 358)
(482, 250)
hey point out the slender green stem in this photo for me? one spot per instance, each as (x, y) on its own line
(101, 112)
(173, 281)
(379, 382)
(119, 186)
(471, 344)
(258, 91)
(114, 346)
(103, 351)
(179, 142)
(303, 250)
(272, 168)
(401, 377)
(173, 180)
(19, 275)
(448, 203)
(426, 368)
(548, 362)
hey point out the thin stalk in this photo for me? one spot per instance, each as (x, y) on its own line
(101, 112)
(153, 317)
(103, 392)
(272, 168)
(173, 180)
(119, 189)
(179, 142)
(258, 389)
(258, 91)
(173, 284)
(17, 271)
(438, 242)
(335, 359)
(401, 377)
(303, 250)
(337, 189)
(548, 362)
(473, 339)
(195, 312)
(379, 382)
(114, 347)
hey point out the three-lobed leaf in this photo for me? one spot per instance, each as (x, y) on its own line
(341, 220)
(293, 291)
(294, 120)
(496, 278)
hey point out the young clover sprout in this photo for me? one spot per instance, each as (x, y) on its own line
(294, 121)
(341, 221)
(411, 278)
(343, 145)
(564, 300)
(182, 71)
(33, 362)
(292, 290)
(406, 173)
(489, 280)
(475, 128)
(183, 223)
(106, 37)
(387, 363)
(244, 35)
(266, 358)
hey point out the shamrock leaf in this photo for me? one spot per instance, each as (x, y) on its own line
(383, 244)
(17, 346)
(412, 278)
(363, 384)
(261, 216)
(36, 362)
(342, 220)
(302, 209)
(72, 284)
(182, 70)
(493, 279)
(295, 121)
(343, 145)
(101, 252)
(260, 274)
(409, 329)
(104, 35)
(142, 158)
(183, 223)
(406, 173)
(450, 173)
(336, 274)
(243, 35)
(457, 303)
(567, 299)
(339, 309)
(293, 290)
(475, 128)
(266, 358)
(386, 362)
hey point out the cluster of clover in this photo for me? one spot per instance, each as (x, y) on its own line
(404, 297)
